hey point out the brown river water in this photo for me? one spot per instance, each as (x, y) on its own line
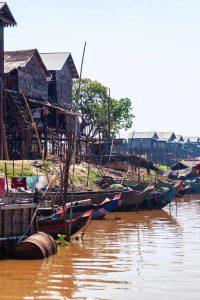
(145, 255)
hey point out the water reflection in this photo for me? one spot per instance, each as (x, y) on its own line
(144, 255)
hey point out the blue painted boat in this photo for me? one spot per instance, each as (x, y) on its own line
(112, 205)
(99, 211)
(158, 199)
(194, 186)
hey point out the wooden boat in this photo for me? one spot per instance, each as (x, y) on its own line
(82, 206)
(130, 198)
(160, 198)
(194, 186)
(134, 200)
(96, 197)
(183, 189)
(189, 176)
(55, 227)
(112, 205)
(99, 211)
(130, 201)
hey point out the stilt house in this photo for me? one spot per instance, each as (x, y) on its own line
(26, 72)
(62, 69)
(29, 99)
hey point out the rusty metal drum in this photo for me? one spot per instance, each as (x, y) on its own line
(37, 246)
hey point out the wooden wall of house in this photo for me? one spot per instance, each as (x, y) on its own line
(33, 80)
(147, 143)
(60, 87)
(11, 81)
(52, 87)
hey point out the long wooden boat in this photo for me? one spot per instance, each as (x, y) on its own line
(55, 227)
(130, 198)
(183, 189)
(134, 200)
(158, 199)
(112, 205)
(99, 210)
(129, 201)
(194, 186)
(96, 197)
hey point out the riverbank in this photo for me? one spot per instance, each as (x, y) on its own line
(86, 175)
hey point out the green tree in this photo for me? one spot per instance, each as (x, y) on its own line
(97, 111)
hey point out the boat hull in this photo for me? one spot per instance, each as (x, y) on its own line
(55, 227)
(102, 212)
(134, 200)
(154, 202)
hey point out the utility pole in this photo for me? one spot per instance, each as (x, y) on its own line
(6, 19)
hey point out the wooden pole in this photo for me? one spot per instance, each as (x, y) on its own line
(109, 125)
(5, 145)
(1, 88)
(45, 139)
(6, 176)
(22, 168)
(33, 124)
(61, 188)
(75, 141)
(13, 168)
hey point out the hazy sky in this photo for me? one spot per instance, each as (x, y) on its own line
(148, 50)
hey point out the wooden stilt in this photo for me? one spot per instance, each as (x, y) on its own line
(6, 176)
(5, 145)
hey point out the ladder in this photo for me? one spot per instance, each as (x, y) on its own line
(19, 104)
(23, 109)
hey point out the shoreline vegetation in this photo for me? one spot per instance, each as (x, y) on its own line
(86, 175)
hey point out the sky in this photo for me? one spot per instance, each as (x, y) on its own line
(147, 50)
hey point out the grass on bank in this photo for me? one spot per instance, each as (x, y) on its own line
(26, 168)
(20, 168)
(163, 167)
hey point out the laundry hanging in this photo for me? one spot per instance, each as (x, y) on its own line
(17, 182)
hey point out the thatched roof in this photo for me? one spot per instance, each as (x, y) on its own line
(19, 59)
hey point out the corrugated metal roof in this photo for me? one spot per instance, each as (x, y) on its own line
(186, 139)
(143, 135)
(18, 59)
(55, 61)
(166, 136)
(179, 138)
(194, 139)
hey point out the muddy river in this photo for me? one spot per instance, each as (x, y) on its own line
(145, 255)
